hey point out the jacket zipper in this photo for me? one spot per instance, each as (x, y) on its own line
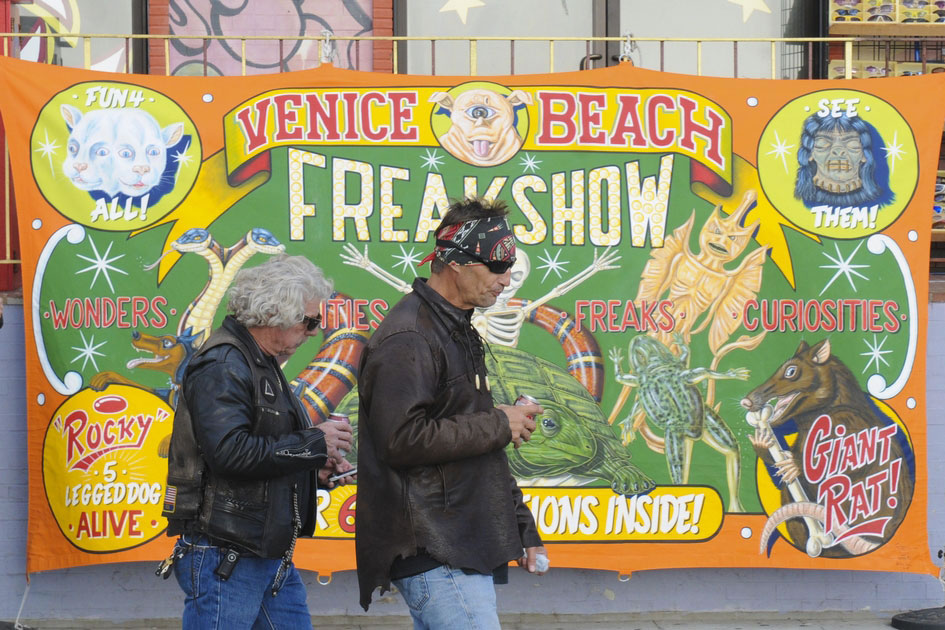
(446, 494)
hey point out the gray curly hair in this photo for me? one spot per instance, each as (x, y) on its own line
(275, 293)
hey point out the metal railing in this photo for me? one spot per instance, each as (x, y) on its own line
(160, 46)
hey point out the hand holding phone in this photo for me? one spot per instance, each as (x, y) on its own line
(347, 473)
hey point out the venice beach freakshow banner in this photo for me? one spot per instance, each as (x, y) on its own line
(719, 299)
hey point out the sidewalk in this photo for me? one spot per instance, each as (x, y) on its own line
(863, 620)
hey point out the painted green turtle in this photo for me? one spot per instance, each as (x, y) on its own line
(572, 439)
(668, 395)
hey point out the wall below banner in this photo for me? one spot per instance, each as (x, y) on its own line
(121, 592)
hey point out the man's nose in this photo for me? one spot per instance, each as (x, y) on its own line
(505, 279)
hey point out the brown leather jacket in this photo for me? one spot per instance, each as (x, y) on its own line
(432, 470)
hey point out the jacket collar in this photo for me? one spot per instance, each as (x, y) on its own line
(240, 331)
(452, 316)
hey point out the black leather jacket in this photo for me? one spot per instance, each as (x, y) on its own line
(432, 469)
(240, 448)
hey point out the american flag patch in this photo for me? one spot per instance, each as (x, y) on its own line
(170, 499)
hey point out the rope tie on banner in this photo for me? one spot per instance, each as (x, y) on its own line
(627, 47)
(327, 47)
(16, 624)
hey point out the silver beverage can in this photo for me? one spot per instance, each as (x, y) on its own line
(525, 399)
(342, 418)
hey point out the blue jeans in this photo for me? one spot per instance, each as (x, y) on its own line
(245, 600)
(448, 599)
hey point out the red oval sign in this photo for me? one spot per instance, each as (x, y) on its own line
(110, 404)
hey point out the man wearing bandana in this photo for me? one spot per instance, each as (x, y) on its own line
(438, 512)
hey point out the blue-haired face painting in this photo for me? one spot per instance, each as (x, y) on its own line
(840, 163)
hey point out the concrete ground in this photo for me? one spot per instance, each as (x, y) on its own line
(864, 620)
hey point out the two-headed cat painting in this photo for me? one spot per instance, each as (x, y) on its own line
(120, 151)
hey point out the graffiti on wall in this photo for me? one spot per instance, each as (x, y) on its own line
(277, 18)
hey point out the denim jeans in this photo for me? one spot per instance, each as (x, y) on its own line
(245, 600)
(448, 599)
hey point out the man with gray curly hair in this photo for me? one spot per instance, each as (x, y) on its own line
(245, 461)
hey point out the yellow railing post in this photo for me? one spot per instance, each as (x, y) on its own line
(473, 60)
(774, 60)
(848, 59)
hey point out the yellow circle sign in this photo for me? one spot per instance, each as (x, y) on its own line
(839, 163)
(114, 156)
(481, 123)
(104, 467)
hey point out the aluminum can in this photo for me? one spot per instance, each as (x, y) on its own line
(525, 399)
(342, 418)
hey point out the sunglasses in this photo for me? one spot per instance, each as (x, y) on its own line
(311, 323)
(846, 11)
(915, 4)
(495, 266)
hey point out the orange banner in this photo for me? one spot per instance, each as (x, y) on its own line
(720, 297)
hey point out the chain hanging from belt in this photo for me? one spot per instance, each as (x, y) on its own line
(287, 556)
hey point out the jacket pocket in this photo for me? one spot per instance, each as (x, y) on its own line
(272, 421)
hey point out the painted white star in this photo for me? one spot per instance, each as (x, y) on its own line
(48, 148)
(101, 264)
(183, 157)
(88, 351)
(432, 160)
(894, 151)
(529, 163)
(462, 7)
(408, 260)
(844, 267)
(780, 148)
(750, 6)
(552, 264)
(875, 353)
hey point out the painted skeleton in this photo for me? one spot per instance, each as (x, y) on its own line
(502, 323)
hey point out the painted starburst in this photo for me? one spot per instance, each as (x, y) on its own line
(893, 151)
(780, 149)
(183, 157)
(88, 351)
(408, 260)
(875, 352)
(844, 266)
(552, 264)
(48, 148)
(529, 163)
(432, 160)
(101, 263)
